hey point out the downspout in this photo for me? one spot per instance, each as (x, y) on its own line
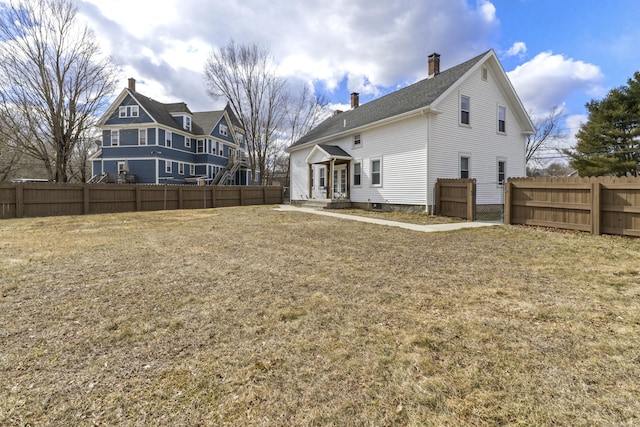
(429, 208)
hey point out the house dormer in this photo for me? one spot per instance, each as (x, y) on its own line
(184, 120)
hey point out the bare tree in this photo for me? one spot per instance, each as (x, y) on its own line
(303, 111)
(10, 155)
(245, 76)
(79, 167)
(547, 132)
(54, 80)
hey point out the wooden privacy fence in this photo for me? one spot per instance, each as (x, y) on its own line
(456, 197)
(49, 199)
(599, 205)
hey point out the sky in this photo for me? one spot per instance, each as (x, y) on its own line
(557, 53)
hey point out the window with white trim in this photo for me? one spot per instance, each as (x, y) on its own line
(223, 130)
(121, 168)
(187, 122)
(465, 164)
(168, 138)
(128, 111)
(357, 174)
(465, 110)
(180, 168)
(167, 166)
(187, 142)
(200, 146)
(192, 170)
(502, 119)
(142, 137)
(357, 142)
(502, 171)
(376, 172)
(115, 138)
(321, 176)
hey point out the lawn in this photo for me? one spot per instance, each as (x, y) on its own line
(253, 317)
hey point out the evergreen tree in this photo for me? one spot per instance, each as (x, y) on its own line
(609, 143)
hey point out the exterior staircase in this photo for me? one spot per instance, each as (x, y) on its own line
(225, 177)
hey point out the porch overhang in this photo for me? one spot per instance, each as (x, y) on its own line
(322, 153)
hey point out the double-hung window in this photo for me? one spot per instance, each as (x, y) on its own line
(115, 138)
(168, 139)
(321, 178)
(192, 169)
(465, 110)
(502, 119)
(167, 166)
(224, 130)
(142, 137)
(376, 172)
(464, 166)
(357, 142)
(187, 142)
(357, 173)
(181, 168)
(187, 122)
(200, 146)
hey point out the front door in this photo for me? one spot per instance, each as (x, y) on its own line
(340, 182)
(319, 182)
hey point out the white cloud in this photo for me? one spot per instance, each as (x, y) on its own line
(488, 10)
(367, 44)
(548, 80)
(518, 48)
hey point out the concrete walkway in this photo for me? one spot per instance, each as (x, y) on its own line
(408, 226)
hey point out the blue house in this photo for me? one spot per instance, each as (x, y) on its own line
(146, 141)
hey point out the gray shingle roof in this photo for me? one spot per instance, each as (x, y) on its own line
(207, 120)
(333, 150)
(410, 98)
(201, 124)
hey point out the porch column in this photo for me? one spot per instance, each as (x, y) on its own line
(330, 180)
(310, 195)
(348, 181)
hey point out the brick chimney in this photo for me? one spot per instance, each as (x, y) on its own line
(355, 100)
(434, 64)
(132, 84)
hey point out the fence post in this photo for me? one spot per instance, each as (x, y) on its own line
(437, 197)
(507, 202)
(86, 195)
(471, 199)
(595, 207)
(213, 196)
(19, 201)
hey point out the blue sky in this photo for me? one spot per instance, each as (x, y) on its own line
(556, 52)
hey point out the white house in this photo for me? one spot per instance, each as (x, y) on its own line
(465, 122)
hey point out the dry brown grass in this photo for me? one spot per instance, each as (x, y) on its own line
(248, 316)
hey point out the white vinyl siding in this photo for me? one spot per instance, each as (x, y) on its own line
(481, 142)
(407, 163)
